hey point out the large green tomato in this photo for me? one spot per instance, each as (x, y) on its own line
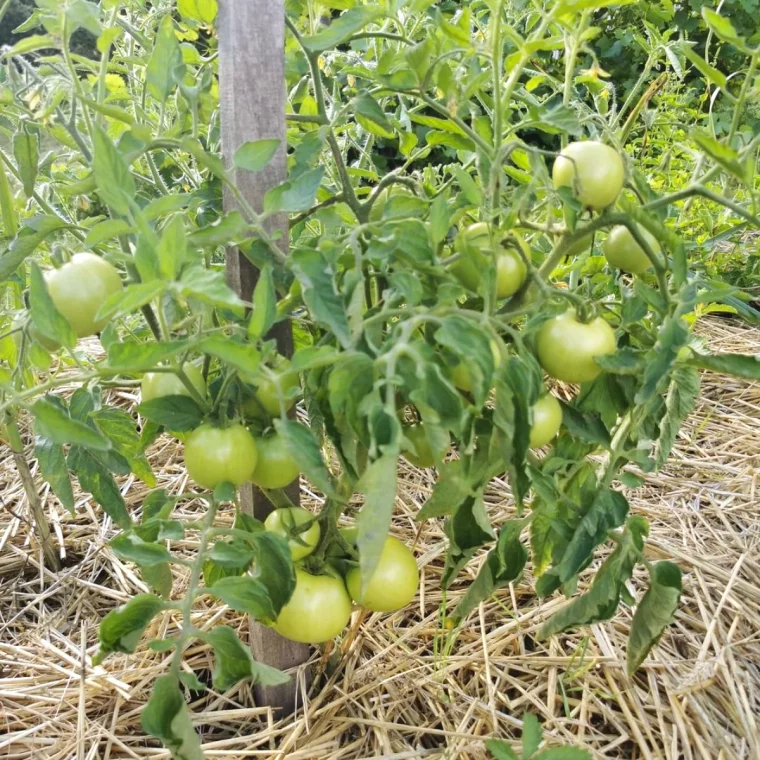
(220, 455)
(547, 420)
(474, 246)
(394, 582)
(594, 171)
(275, 465)
(268, 395)
(80, 287)
(318, 611)
(622, 251)
(567, 347)
(285, 522)
(158, 384)
(422, 455)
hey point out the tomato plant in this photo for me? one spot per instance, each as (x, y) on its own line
(446, 176)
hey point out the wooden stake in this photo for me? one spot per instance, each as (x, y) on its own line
(252, 102)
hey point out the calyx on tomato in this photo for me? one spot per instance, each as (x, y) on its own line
(158, 384)
(288, 522)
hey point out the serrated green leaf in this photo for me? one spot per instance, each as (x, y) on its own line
(175, 413)
(654, 613)
(165, 63)
(55, 424)
(343, 27)
(54, 469)
(46, 318)
(167, 718)
(131, 547)
(111, 172)
(255, 155)
(122, 628)
(26, 151)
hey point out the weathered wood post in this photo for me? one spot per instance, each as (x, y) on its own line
(252, 101)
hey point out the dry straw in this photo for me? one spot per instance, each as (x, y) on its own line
(397, 689)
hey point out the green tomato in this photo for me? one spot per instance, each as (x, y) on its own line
(268, 395)
(460, 373)
(547, 420)
(220, 455)
(474, 246)
(275, 465)
(80, 287)
(158, 384)
(318, 611)
(622, 251)
(285, 522)
(422, 453)
(580, 246)
(594, 171)
(394, 582)
(567, 347)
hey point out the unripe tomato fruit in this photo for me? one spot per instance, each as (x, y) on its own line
(474, 246)
(80, 287)
(268, 395)
(318, 611)
(394, 582)
(460, 373)
(158, 384)
(594, 171)
(547, 420)
(220, 455)
(275, 465)
(566, 347)
(423, 455)
(285, 522)
(622, 251)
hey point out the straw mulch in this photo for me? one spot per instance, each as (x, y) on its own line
(398, 688)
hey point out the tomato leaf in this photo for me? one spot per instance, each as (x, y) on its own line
(96, 479)
(378, 484)
(167, 718)
(608, 511)
(210, 287)
(26, 151)
(114, 180)
(500, 750)
(671, 338)
(176, 413)
(130, 299)
(142, 357)
(122, 628)
(602, 599)
(131, 547)
(304, 448)
(654, 613)
(680, 401)
(165, 65)
(54, 469)
(320, 293)
(502, 565)
(199, 10)
(532, 732)
(295, 194)
(159, 578)
(234, 662)
(746, 366)
(242, 356)
(107, 230)
(343, 27)
(56, 425)
(230, 228)
(264, 311)
(449, 491)
(253, 156)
